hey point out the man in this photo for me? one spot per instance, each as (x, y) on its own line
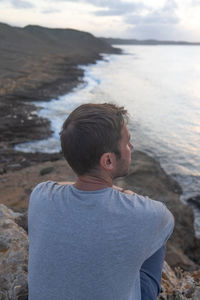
(90, 240)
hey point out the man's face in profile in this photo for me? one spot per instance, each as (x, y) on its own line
(125, 148)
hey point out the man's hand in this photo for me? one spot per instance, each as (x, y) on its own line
(66, 182)
(123, 190)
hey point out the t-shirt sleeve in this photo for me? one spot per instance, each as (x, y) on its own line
(38, 202)
(162, 225)
(42, 190)
(164, 228)
(157, 224)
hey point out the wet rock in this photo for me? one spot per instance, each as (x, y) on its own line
(14, 167)
(2, 171)
(46, 170)
(12, 160)
(22, 219)
(169, 282)
(196, 295)
(195, 201)
(176, 257)
(13, 256)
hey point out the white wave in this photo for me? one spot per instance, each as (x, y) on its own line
(57, 110)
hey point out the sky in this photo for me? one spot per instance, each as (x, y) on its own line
(152, 19)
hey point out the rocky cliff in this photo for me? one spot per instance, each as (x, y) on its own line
(35, 59)
(38, 63)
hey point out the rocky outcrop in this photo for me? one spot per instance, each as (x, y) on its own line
(179, 285)
(195, 201)
(13, 256)
(43, 63)
(147, 177)
(12, 160)
(39, 64)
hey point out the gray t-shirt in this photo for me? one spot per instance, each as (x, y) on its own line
(90, 245)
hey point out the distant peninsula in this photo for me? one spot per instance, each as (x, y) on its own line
(35, 59)
(150, 42)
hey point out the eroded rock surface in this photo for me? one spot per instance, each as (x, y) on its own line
(179, 285)
(13, 256)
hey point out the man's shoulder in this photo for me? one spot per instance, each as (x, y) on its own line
(42, 185)
(48, 189)
(144, 205)
(137, 200)
(42, 189)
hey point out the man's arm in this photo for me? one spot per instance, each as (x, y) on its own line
(151, 269)
(151, 274)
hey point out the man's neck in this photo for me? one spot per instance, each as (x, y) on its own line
(93, 183)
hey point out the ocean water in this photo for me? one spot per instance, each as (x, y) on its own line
(160, 87)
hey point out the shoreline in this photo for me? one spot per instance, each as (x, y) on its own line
(43, 66)
(20, 122)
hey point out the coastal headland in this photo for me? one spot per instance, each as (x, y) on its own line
(38, 63)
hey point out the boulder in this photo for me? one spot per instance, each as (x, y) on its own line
(13, 256)
(179, 285)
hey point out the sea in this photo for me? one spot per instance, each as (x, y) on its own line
(160, 88)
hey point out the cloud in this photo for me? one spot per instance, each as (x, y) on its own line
(165, 15)
(170, 6)
(153, 31)
(106, 12)
(116, 11)
(21, 4)
(18, 4)
(162, 23)
(134, 12)
(138, 18)
(50, 11)
(119, 8)
(112, 7)
(152, 18)
(195, 2)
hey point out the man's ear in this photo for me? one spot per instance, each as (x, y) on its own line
(108, 161)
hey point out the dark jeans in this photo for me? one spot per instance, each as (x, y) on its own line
(150, 275)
